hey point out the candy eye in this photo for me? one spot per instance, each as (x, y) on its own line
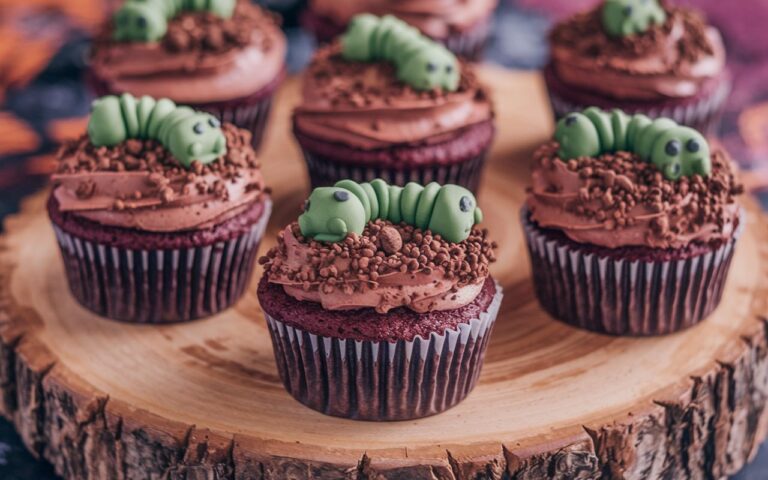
(198, 128)
(693, 145)
(674, 170)
(465, 204)
(431, 67)
(340, 196)
(673, 148)
(449, 68)
(214, 122)
(628, 11)
(141, 22)
(570, 120)
(306, 205)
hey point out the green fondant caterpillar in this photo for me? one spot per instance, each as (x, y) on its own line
(188, 134)
(675, 150)
(331, 213)
(622, 18)
(147, 20)
(420, 62)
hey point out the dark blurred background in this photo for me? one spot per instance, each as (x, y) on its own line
(43, 46)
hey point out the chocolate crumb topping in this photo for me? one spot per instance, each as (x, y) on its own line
(207, 33)
(614, 183)
(584, 34)
(374, 254)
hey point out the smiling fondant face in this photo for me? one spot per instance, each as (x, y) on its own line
(139, 22)
(331, 213)
(455, 213)
(197, 137)
(629, 17)
(431, 67)
(577, 136)
(681, 151)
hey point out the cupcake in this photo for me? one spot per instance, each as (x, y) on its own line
(158, 210)
(462, 26)
(386, 102)
(631, 223)
(379, 300)
(642, 57)
(226, 58)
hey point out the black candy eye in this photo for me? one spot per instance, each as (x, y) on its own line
(449, 68)
(465, 204)
(306, 205)
(214, 122)
(673, 148)
(431, 67)
(341, 196)
(693, 145)
(570, 120)
(198, 128)
(628, 11)
(141, 22)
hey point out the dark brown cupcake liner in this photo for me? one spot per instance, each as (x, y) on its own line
(160, 286)
(703, 114)
(325, 171)
(383, 381)
(620, 296)
(249, 113)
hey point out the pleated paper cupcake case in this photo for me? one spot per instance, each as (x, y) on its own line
(160, 286)
(324, 172)
(625, 297)
(383, 381)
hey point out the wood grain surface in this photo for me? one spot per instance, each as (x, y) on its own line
(100, 399)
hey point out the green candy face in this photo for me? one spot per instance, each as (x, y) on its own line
(455, 213)
(577, 136)
(622, 18)
(197, 137)
(430, 67)
(681, 151)
(331, 213)
(139, 22)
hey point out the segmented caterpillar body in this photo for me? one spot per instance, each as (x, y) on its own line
(188, 134)
(331, 213)
(420, 62)
(629, 17)
(147, 20)
(676, 150)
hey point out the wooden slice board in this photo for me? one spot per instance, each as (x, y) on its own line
(100, 399)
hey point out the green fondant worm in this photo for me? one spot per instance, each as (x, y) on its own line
(674, 149)
(147, 20)
(421, 62)
(622, 18)
(331, 213)
(188, 134)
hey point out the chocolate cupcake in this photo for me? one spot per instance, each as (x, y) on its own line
(386, 102)
(642, 57)
(631, 223)
(379, 300)
(158, 210)
(226, 58)
(462, 26)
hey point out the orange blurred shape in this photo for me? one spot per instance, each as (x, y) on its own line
(67, 128)
(753, 126)
(40, 165)
(17, 136)
(88, 14)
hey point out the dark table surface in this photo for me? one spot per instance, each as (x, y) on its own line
(44, 95)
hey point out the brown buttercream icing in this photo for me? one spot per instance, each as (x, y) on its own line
(201, 59)
(363, 105)
(436, 18)
(138, 184)
(673, 60)
(618, 200)
(386, 267)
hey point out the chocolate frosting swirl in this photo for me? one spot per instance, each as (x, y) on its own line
(138, 185)
(202, 59)
(617, 200)
(363, 105)
(674, 60)
(436, 18)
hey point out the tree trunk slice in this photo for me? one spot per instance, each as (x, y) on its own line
(102, 400)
